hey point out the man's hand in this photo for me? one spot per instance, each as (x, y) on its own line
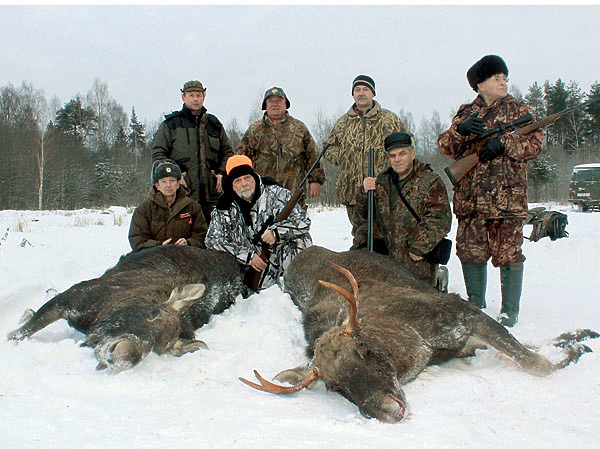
(166, 242)
(491, 150)
(268, 237)
(219, 183)
(369, 184)
(257, 263)
(181, 242)
(314, 189)
(472, 125)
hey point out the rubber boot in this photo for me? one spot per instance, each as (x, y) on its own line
(511, 278)
(475, 275)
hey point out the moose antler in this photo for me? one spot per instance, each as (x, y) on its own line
(353, 325)
(270, 387)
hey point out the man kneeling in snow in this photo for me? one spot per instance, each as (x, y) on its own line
(243, 221)
(167, 215)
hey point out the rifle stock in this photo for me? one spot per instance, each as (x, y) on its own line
(253, 278)
(458, 169)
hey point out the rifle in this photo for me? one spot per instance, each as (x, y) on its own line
(253, 278)
(371, 202)
(458, 169)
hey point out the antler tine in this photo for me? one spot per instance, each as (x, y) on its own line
(349, 276)
(353, 325)
(270, 387)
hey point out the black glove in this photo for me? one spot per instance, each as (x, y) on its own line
(472, 125)
(491, 150)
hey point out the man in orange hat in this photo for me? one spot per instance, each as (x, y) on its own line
(242, 222)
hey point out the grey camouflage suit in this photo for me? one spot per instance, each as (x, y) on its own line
(228, 231)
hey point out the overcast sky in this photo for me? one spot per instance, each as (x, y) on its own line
(418, 55)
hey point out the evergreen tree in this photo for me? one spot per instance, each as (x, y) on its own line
(137, 136)
(75, 120)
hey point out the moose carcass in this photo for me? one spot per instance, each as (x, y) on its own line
(395, 327)
(151, 299)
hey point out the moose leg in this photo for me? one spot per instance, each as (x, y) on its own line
(183, 346)
(47, 314)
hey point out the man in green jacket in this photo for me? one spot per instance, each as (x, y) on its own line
(197, 141)
(167, 215)
(365, 125)
(280, 146)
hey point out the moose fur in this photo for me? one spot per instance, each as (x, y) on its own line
(396, 328)
(152, 299)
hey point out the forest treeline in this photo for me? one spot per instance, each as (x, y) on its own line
(90, 152)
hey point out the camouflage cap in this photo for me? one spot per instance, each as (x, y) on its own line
(193, 86)
(275, 91)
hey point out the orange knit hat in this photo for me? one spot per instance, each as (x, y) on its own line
(237, 161)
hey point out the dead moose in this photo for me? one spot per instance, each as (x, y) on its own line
(393, 328)
(152, 299)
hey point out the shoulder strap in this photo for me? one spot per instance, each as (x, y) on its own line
(408, 206)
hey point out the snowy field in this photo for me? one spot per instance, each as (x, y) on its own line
(51, 396)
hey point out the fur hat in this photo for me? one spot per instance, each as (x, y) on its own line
(486, 67)
(164, 169)
(278, 91)
(363, 80)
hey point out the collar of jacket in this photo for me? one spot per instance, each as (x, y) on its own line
(187, 113)
(371, 112)
(156, 197)
(268, 122)
(419, 168)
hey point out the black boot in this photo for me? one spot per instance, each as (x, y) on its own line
(475, 281)
(511, 277)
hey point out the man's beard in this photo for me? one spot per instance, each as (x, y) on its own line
(247, 193)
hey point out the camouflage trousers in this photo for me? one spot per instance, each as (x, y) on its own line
(479, 238)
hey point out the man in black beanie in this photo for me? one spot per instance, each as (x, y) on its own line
(365, 125)
(490, 201)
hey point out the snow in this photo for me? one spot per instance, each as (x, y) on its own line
(51, 396)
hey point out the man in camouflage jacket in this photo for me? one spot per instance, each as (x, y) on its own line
(281, 146)
(167, 215)
(365, 125)
(396, 230)
(197, 141)
(490, 202)
(243, 220)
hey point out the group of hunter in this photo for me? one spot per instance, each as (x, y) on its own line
(207, 194)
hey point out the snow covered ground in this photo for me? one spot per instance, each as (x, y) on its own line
(51, 396)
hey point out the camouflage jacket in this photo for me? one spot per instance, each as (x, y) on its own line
(424, 190)
(202, 140)
(497, 188)
(153, 221)
(284, 151)
(228, 231)
(351, 137)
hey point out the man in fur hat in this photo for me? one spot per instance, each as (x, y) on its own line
(490, 202)
(167, 215)
(242, 222)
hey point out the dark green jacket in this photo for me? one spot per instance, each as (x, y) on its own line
(153, 221)
(199, 144)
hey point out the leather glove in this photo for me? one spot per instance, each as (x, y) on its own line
(491, 150)
(472, 125)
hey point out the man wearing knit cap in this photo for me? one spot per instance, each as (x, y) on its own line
(397, 232)
(280, 146)
(167, 215)
(242, 222)
(490, 201)
(365, 125)
(197, 141)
